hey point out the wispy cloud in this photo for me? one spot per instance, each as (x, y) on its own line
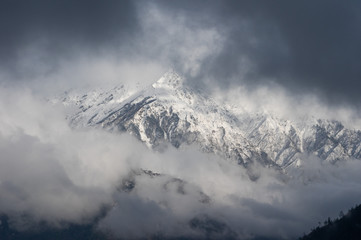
(294, 60)
(54, 174)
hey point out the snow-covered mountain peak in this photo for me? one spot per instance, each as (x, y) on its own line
(170, 80)
(168, 111)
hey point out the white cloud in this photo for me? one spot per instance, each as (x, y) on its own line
(53, 173)
(173, 40)
(274, 99)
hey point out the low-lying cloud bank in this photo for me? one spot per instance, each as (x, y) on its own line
(51, 173)
(289, 59)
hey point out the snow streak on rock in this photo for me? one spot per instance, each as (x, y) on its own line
(168, 111)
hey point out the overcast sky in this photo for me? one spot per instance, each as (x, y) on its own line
(304, 46)
(292, 57)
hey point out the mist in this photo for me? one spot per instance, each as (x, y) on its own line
(52, 173)
(295, 61)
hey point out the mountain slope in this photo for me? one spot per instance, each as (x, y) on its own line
(169, 112)
(347, 227)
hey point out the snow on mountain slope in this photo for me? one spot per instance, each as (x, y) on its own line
(167, 111)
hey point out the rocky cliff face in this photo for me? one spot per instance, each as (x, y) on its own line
(169, 112)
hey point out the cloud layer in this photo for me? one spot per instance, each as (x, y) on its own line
(51, 173)
(293, 59)
(305, 47)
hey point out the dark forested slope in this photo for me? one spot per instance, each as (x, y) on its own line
(347, 227)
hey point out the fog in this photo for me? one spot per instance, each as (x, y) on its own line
(296, 61)
(51, 173)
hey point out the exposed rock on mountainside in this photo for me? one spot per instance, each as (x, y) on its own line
(168, 111)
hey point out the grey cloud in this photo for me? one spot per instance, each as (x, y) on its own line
(33, 182)
(299, 45)
(59, 28)
(47, 172)
(268, 207)
(305, 46)
(267, 210)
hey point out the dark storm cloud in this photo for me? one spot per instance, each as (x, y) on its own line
(306, 46)
(62, 27)
(303, 45)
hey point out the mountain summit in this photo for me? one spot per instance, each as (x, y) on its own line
(170, 80)
(169, 112)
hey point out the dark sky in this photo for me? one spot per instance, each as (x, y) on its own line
(305, 46)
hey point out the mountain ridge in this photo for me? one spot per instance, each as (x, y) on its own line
(168, 111)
